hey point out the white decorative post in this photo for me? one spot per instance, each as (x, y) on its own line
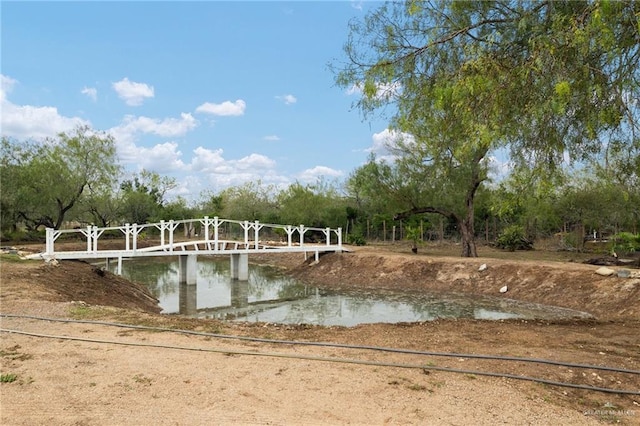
(257, 227)
(206, 228)
(95, 235)
(126, 234)
(171, 235)
(216, 224)
(134, 231)
(301, 231)
(162, 227)
(89, 238)
(246, 233)
(289, 230)
(51, 238)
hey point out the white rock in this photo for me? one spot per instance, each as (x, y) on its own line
(482, 267)
(605, 272)
(504, 289)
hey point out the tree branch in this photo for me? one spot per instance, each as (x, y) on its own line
(421, 210)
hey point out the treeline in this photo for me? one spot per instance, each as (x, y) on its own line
(75, 180)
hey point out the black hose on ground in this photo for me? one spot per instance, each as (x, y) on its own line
(334, 345)
(338, 360)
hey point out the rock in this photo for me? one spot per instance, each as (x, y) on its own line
(600, 261)
(605, 272)
(504, 289)
(624, 273)
(482, 267)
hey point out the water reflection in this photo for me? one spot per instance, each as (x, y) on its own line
(272, 297)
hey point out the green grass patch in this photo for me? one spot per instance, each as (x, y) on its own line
(8, 378)
(14, 258)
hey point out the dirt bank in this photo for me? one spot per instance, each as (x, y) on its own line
(569, 285)
(113, 375)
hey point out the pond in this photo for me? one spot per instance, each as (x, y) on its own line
(270, 296)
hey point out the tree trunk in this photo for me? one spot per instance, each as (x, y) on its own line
(468, 237)
(467, 229)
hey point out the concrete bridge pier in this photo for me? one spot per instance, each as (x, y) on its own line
(240, 266)
(239, 294)
(188, 271)
(107, 265)
(187, 299)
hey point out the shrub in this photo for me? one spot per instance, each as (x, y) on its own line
(513, 238)
(356, 240)
(626, 242)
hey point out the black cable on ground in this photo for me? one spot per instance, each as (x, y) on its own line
(337, 360)
(334, 345)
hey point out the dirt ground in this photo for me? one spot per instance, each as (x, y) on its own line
(89, 371)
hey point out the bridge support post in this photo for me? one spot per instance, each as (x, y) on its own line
(240, 266)
(188, 271)
(187, 299)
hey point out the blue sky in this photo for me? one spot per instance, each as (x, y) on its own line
(215, 94)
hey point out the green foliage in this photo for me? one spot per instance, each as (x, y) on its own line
(547, 80)
(143, 197)
(24, 235)
(8, 378)
(413, 234)
(626, 243)
(316, 205)
(43, 182)
(513, 238)
(251, 201)
(356, 240)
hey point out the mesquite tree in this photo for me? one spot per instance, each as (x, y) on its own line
(546, 81)
(49, 178)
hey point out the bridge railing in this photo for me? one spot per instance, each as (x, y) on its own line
(212, 230)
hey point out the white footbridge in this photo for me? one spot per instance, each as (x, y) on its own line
(190, 238)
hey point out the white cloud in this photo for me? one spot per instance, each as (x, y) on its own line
(6, 85)
(271, 138)
(386, 142)
(226, 108)
(168, 127)
(91, 92)
(31, 122)
(208, 161)
(219, 173)
(356, 4)
(255, 162)
(287, 99)
(161, 158)
(133, 93)
(312, 175)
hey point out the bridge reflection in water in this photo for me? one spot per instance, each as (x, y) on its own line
(212, 292)
(271, 297)
(188, 299)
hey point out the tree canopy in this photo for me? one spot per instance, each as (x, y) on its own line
(48, 179)
(546, 81)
